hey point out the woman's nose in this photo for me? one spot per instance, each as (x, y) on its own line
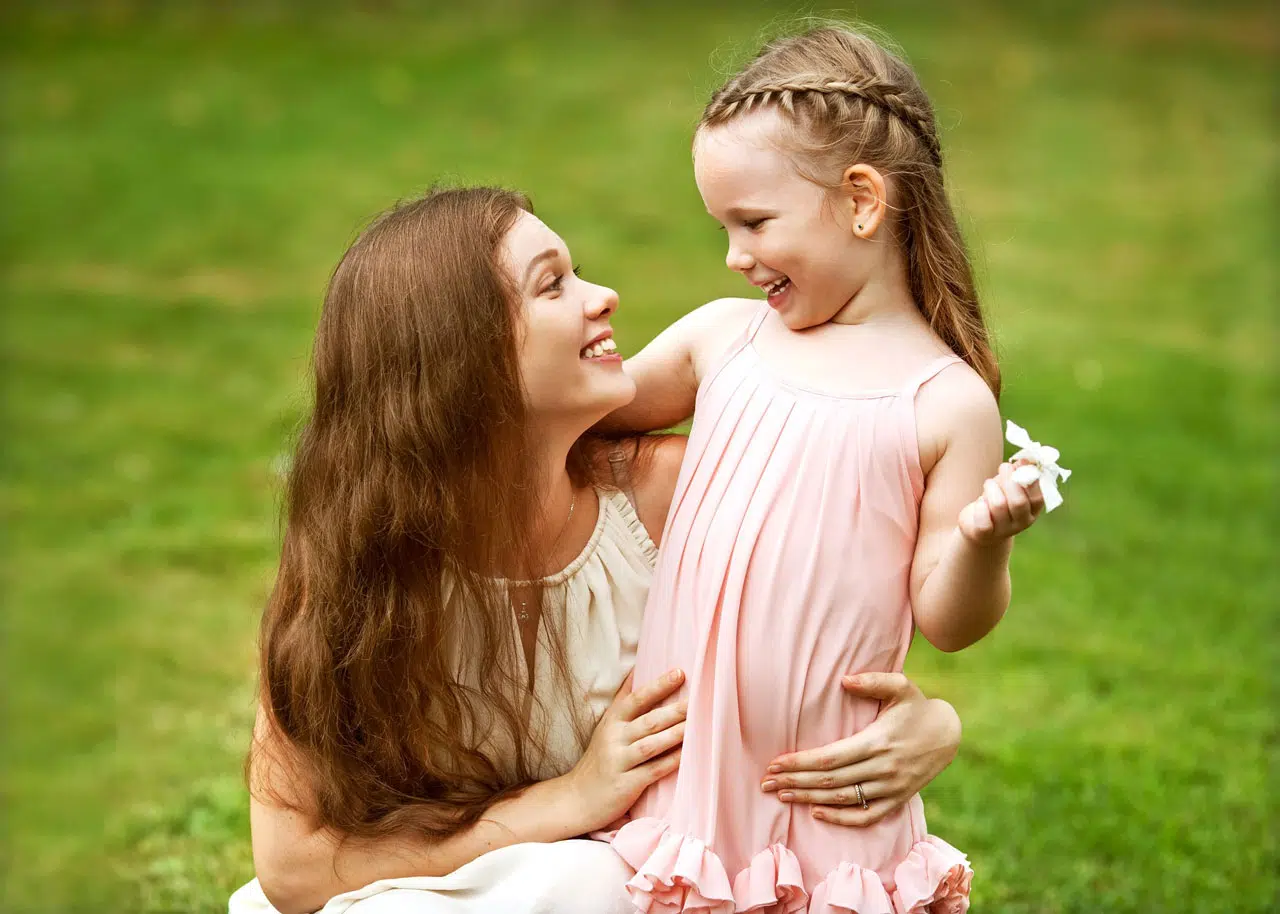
(603, 303)
(738, 260)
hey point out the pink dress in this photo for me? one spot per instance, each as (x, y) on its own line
(784, 566)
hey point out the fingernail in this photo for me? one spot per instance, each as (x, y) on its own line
(851, 680)
(774, 769)
(819, 814)
(769, 784)
(674, 676)
(786, 796)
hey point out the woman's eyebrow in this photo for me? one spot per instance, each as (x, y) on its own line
(548, 254)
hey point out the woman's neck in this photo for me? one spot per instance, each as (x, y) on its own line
(555, 493)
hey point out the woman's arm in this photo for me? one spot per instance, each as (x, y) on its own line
(301, 866)
(910, 742)
(654, 469)
(667, 371)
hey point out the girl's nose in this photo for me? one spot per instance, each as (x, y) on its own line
(738, 260)
(603, 303)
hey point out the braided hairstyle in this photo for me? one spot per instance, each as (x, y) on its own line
(851, 101)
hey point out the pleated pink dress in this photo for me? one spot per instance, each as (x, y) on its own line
(784, 565)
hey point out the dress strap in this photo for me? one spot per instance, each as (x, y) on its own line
(928, 373)
(621, 466)
(756, 321)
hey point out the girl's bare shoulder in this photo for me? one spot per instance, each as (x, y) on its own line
(715, 326)
(956, 409)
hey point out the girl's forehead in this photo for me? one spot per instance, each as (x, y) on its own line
(741, 159)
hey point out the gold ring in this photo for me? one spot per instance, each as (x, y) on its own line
(862, 797)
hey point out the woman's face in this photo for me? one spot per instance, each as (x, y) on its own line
(571, 369)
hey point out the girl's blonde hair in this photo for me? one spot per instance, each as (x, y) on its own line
(852, 101)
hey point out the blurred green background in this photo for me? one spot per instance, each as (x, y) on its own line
(178, 180)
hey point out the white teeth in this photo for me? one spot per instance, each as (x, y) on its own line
(774, 287)
(595, 350)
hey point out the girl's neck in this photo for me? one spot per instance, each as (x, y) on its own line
(882, 299)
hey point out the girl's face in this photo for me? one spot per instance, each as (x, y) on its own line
(787, 235)
(570, 367)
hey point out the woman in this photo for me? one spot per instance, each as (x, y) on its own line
(444, 656)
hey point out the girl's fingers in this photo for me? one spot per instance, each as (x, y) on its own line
(1036, 497)
(642, 750)
(824, 782)
(997, 504)
(854, 816)
(1019, 503)
(655, 721)
(647, 697)
(975, 519)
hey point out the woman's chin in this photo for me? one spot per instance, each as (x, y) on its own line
(618, 392)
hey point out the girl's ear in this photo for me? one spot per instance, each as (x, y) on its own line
(865, 189)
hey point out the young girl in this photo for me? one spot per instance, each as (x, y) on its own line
(832, 498)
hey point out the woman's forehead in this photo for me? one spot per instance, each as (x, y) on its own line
(528, 238)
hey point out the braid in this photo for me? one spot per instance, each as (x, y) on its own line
(885, 95)
(854, 101)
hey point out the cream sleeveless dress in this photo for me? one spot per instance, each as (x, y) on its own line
(601, 595)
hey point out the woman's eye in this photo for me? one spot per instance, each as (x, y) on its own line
(557, 284)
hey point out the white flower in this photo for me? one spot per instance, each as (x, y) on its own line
(1042, 465)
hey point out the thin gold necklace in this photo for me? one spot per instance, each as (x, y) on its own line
(523, 612)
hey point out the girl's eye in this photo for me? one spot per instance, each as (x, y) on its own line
(754, 224)
(577, 271)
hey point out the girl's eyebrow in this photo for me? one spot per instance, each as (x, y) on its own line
(741, 213)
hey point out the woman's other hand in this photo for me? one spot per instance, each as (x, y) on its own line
(910, 742)
(636, 743)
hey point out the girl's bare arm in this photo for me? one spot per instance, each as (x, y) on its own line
(959, 587)
(668, 371)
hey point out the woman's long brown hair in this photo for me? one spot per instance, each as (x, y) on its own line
(388, 660)
(853, 101)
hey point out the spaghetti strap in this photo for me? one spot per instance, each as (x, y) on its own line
(756, 322)
(928, 373)
(620, 465)
(740, 342)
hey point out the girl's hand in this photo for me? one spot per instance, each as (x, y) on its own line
(1003, 510)
(635, 744)
(910, 742)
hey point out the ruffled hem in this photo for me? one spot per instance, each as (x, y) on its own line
(678, 873)
(674, 873)
(934, 879)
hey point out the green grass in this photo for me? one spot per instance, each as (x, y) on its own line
(178, 184)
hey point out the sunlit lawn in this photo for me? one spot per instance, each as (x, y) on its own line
(177, 187)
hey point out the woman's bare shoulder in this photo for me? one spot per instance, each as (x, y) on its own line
(650, 466)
